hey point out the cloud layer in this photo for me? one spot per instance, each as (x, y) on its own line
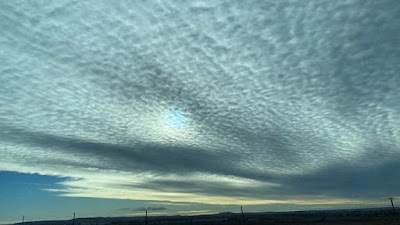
(211, 102)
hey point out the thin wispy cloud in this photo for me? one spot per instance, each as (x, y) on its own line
(151, 209)
(220, 102)
(141, 209)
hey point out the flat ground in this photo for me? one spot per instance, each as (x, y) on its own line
(335, 217)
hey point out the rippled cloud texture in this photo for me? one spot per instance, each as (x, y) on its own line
(217, 102)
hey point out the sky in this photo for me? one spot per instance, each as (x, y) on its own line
(108, 108)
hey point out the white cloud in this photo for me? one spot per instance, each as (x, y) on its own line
(265, 93)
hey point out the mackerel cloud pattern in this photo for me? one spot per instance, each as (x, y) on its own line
(203, 101)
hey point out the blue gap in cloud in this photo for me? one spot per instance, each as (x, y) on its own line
(20, 185)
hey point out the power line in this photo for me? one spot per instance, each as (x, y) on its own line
(391, 201)
(241, 209)
(73, 220)
(146, 218)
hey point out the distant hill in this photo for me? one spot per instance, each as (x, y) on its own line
(343, 216)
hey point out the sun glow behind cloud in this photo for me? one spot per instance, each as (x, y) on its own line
(175, 119)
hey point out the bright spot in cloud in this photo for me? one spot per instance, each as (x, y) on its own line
(175, 119)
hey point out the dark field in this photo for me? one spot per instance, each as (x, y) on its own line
(331, 217)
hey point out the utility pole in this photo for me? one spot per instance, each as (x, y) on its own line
(146, 218)
(391, 201)
(73, 220)
(241, 209)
